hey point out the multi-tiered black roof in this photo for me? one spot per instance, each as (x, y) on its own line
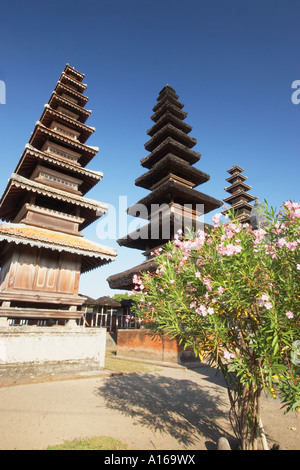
(239, 198)
(171, 178)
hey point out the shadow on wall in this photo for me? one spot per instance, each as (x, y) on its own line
(182, 408)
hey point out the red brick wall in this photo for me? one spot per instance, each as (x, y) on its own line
(141, 345)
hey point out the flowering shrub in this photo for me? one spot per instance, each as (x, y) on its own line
(233, 294)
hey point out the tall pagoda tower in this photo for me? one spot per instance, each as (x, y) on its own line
(43, 251)
(239, 198)
(173, 203)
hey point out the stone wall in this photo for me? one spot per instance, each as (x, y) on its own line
(139, 344)
(24, 344)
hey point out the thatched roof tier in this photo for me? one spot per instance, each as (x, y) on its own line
(141, 238)
(167, 88)
(170, 131)
(239, 199)
(237, 186)
(235, 169)
(173, 192)
(157, 233)
(172, 108)
(124, 280)
(239, 195)
(88, 300)
(108, 302)
(175, 165)
(169, 118)
(234, 177)
(170, 145)
(167, 97)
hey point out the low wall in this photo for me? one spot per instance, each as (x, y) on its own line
(24, 344)
(139, 344)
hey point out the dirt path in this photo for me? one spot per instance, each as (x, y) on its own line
(164, 409)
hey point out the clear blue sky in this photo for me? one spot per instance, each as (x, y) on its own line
(232, 62)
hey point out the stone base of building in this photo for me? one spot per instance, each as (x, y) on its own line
(140, 344)
(26, 344)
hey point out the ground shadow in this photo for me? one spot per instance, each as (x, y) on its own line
(178, 407)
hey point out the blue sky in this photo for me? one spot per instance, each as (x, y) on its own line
(232, 62)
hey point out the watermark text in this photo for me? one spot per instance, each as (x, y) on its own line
(296, 94)
(2, 92)
(166, 220)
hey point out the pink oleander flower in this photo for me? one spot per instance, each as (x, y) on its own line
(210, 310)
(264, 301)
(270, 251)
(259, 234)
(232, 249)
(292, 245)
(289, 315)
(298, 267)
(265, 297)
(220, 290)
(228, 355)
(281, 242)
(216, 219)
(197, 274)
(172, 281)
(201, 310)
(207, 283)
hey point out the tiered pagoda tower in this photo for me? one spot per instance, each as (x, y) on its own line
(44, 208)
(173, 203)
(239, 198)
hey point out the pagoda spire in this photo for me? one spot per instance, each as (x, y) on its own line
(45, 208)
(239, 198)
(172, 203)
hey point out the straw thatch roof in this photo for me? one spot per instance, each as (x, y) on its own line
(108, 302)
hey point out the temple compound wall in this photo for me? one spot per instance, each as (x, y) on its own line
(140, 344)
(26, 344)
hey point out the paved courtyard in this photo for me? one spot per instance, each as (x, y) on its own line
(164, 409)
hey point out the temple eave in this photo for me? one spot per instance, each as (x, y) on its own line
(124, 281)
(50, 114)
(179, 193)
(170, 145)
(31, 157)
(171, 119)
(170, 131)
(171, 164)
(92, 254)
(240, 194)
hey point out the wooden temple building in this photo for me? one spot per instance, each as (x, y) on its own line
(239, 199)
(172, 203)
(44, 208)
(108, 313)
